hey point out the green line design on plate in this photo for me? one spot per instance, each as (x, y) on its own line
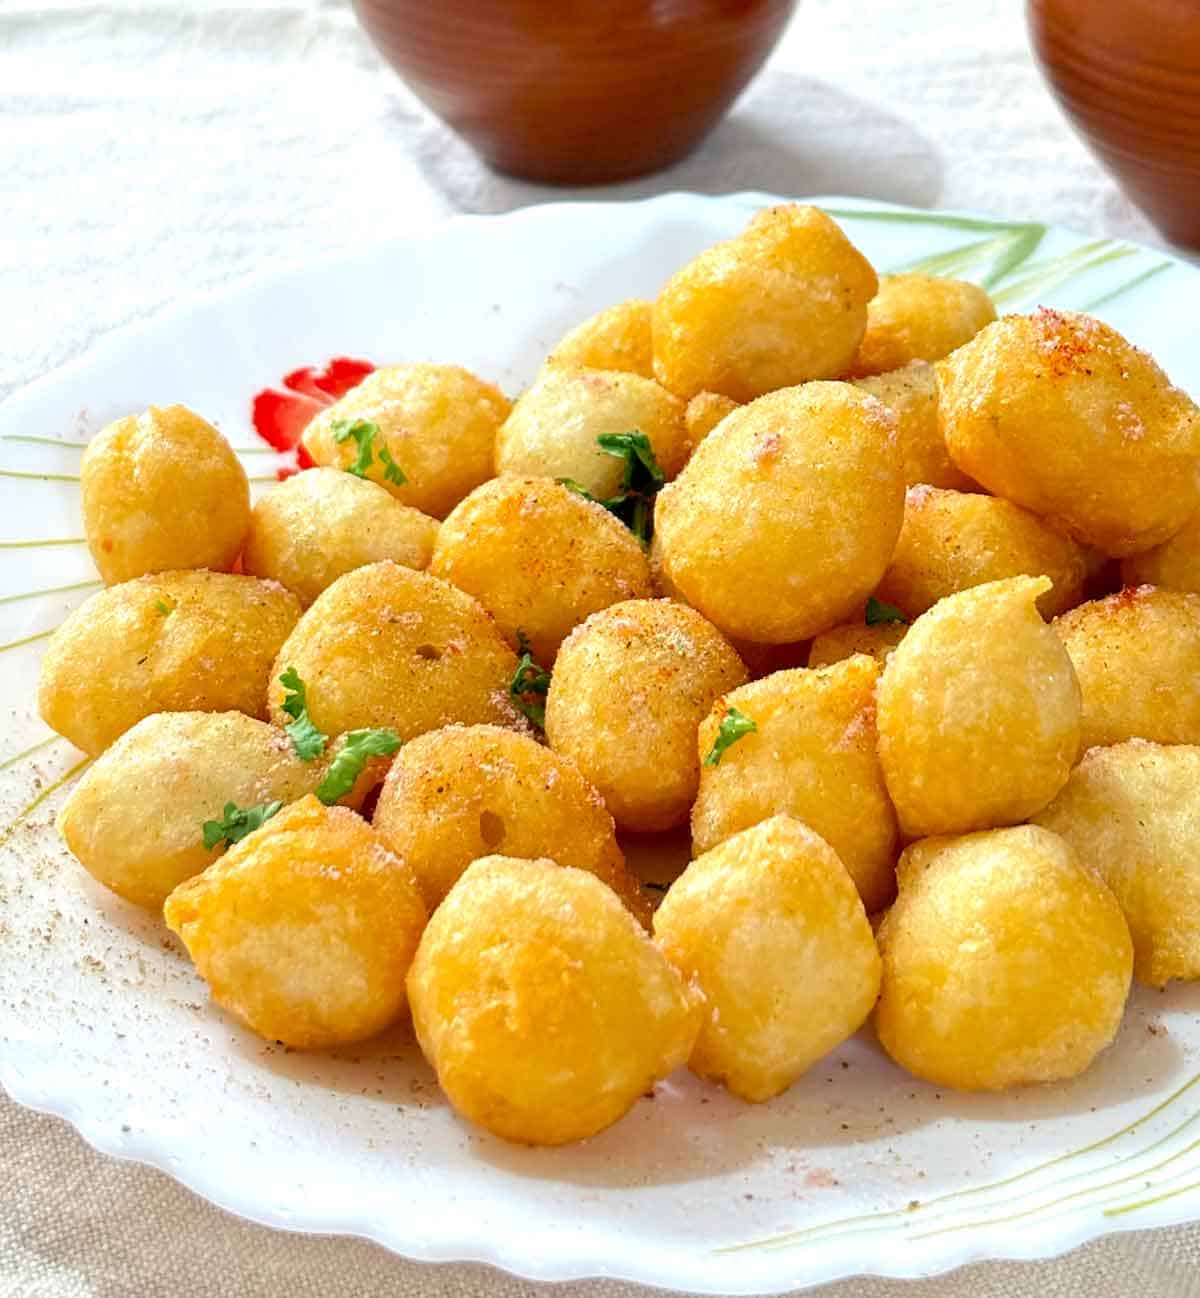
(1078, 1194)
(43, 545)
(30, 440)
(1139, 1204)
(1129, 284)
(1006, 249)
(26, 811)
(50, 590)
(872, 1223)
(39, 477)
(28, 752)
(1042, 277)
(29, 639)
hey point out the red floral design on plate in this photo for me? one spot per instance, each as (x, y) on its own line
(281, 415)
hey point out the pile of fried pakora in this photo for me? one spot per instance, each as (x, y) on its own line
(897, 603)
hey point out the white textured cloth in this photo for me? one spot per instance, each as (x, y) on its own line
(150, 149)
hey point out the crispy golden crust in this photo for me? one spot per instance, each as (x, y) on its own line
(387, 646)
(1004, 961)
(162, 491)
(438, 422)
(323, 523)
(1174, 565)
(617, 338)
(170, 642)
(911, 394)
(1137, 656)
(786, 517)
(813, 757)
(784, 302)
(1132, 812)
(544, 1008)
(464, 792)
(539, 558)
(135, 819)
(629, 688)
(554, 425)
(920, 318)
(305, 929)
(856, 637)
(704, 412)
(979, 712)
(953, 540)
(1121, 470)
(771, 928)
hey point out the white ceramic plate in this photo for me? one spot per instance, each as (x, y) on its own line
(858, 1168)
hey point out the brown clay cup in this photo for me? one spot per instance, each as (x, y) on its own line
(1127, 72)
(577, 92)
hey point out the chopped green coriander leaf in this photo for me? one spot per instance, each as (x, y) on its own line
(363, 432)
(641, 480)
(347, 766)
(307, 740)
(391, 470)
(236, 822)
(162, 606)
(878, 611)
(529, 684)
(635, 449)
(735, 725)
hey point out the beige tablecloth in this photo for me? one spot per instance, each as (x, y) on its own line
(150, 149)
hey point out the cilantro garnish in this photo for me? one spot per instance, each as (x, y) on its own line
(347, 766)
(735, 725)
(363, 433)
(162, 606)
(236, 822)
(641, 480)
(307, 740)
(878, 611)
(529, 685)
(391, 470)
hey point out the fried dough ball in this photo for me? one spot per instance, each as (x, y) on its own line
(1057, 412)
(323, 523)
(539, 558)
(979, 712)
(786, 517)
(953, 540)
(839, 642)
(458, 794)
(813, 756)
(1005, 961)
(704, 412)
(1132, 811)
(554, 425)
(1137, 656)
(305, 929)
(437, 423)
(387, 646)
(920, 318)
(770, 927)
(544, 1008)
(783, 302)
(629, 688)
(135, 819)
(1174, 565)
(162, 491)
(617, 338)
(911, 394)
(168, 642)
